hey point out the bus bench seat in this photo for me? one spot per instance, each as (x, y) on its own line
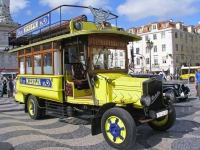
(79, 77)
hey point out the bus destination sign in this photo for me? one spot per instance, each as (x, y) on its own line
(34, 25)
(36, 82)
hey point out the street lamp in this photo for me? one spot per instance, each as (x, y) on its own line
(149, 46)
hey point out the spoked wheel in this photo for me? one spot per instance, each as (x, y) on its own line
(33, 108)
(118, 128)
(164, 123)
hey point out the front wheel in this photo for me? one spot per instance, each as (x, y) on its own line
(164, 123)
(118, 128)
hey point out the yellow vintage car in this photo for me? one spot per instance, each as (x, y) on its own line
(82, 65)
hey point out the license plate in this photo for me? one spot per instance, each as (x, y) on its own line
(162, 113)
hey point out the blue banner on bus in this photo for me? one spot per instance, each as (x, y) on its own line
(35, 25)
(36, 82)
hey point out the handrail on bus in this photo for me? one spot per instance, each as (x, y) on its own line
(115, 16)
(25, 39)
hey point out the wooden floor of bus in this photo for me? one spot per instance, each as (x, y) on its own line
(84, 97)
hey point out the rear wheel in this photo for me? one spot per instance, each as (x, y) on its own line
(164, 123)
(118, 128)
(33, 107)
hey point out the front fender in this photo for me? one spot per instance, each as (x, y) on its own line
(170, 88)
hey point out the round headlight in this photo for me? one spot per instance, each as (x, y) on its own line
(145, 100)
(78, 25)
(170, 95)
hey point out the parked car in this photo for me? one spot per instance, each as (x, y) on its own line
(181, 91)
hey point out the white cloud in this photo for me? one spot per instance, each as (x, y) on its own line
(139, 9)
(17, 5)
(28, 12)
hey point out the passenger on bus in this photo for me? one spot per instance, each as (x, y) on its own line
(9, 87)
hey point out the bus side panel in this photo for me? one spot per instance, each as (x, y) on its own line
(53, 92)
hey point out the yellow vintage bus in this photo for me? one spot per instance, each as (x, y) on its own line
(184, 73)
(73, 66)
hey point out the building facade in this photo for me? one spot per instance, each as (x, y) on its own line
(174, 45)
(8, 62)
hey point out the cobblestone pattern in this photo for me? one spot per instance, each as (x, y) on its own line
(18, 131)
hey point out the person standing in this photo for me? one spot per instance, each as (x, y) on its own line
(162, 73)
(9, 87)
(3, 85)
(14, 84)
(197, 80)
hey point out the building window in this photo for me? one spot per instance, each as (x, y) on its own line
(181, 35)
(181, 48)
(147, 50)
(164, 60)
(154, 27)
(139, 30)
(176, 47)
(116, 63)
(148, 28)
(156, 60)
(116, 54)
(131, 31)
(137, 50)
(155, 48)
(154, 36)
(47, 46)
(138, 61)
(147, 60)
(47, 63)
(164, 25)
(176, 35)
(146, 38)
(177, 59)
(196, 57)
(163, 47)
(163, 35)
(181, 26)
(121, 54)
(121, 63)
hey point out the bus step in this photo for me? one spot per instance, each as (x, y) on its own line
(56, 109)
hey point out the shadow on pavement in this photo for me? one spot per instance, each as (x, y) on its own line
(6, 145)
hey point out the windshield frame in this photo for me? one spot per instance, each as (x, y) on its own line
(108, 70)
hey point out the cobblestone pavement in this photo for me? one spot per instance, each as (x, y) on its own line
(18, 131)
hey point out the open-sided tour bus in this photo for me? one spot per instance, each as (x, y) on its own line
(75, 65)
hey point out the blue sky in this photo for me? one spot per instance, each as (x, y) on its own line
(132, 13)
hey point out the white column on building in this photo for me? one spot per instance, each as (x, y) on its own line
(5, 15)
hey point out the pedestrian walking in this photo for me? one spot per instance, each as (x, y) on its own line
(162, 74)
(3, 85)
(14, 84)
(197, 77)
(9, 87)
(196, 83)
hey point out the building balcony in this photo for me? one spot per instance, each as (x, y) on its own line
(155, 65)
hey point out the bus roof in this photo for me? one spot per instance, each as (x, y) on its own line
(84, 32)
(32, 33)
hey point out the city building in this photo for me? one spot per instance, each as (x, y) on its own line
(174, 45)
(8, 62)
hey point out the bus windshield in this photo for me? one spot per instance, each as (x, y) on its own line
(108, 59)
(185, 71)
